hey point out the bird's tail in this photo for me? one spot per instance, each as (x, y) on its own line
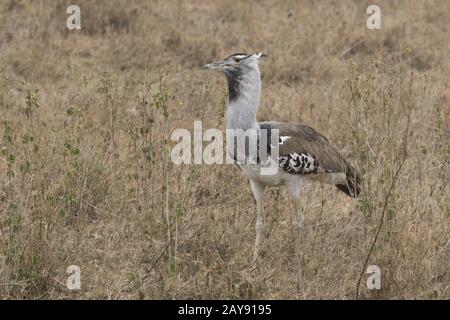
(353, 184)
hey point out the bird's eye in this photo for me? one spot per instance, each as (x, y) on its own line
(237, 59)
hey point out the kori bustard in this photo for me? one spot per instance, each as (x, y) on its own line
(303, 153)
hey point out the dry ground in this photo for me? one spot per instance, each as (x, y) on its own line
(86, 178)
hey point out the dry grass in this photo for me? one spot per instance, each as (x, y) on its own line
(85, 173)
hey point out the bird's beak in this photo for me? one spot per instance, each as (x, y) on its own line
(213, 66)
(261, 55)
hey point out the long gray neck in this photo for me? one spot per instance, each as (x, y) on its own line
(244, 90)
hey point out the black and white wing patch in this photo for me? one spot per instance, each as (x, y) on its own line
(295, 163)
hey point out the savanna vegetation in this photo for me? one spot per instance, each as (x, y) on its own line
(86, 177)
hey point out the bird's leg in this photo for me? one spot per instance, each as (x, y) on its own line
(294, 189)
(299, 214)
(259, 227)
(258, 192)
(299, 224)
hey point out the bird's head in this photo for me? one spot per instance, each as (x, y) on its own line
(242, 73)
(237, 63)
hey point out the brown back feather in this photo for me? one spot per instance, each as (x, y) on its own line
(306, 140)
